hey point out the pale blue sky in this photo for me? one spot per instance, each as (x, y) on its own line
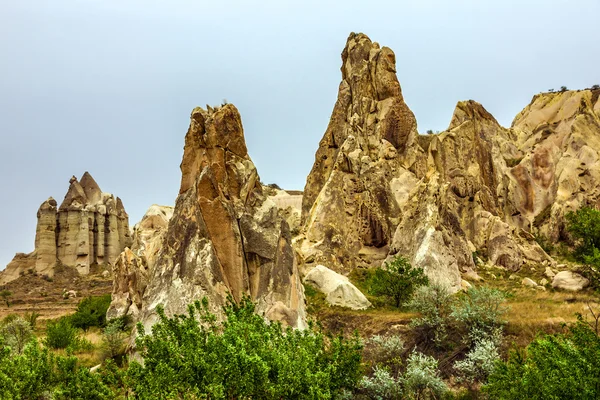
(107, 85)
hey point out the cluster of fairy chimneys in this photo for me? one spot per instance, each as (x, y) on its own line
(89, 228)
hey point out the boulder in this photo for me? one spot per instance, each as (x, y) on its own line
(529, 283)
(337, 288)
(567, 280)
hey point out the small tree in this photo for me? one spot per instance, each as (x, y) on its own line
(5, 296)
(112, 340)
(563, 89)
(429, 132)
(551, 90)
(61, 334)
(595, 87)
(397, 280)
(17, 334)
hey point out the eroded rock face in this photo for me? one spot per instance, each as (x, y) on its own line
(378, 189)
(225, 235)
(131, 271)
(90, 227)
(350, 209)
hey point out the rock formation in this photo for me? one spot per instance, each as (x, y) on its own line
(474, 191)
(89, 228)
(338, 288)
(225, 236)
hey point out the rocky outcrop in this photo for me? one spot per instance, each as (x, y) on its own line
(378, 189)
(131, 271)
(89, 228)
(225, 236)
(338, 289)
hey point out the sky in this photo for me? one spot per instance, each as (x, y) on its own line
(107, 86)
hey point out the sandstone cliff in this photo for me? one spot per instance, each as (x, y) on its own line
(89, 228)
(225, 236)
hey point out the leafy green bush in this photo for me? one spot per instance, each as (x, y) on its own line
(584, 227)
(17, 334)
(397, 280)
(5, 294)
(479, 311)
(562, 366)
(242, 357)
(422, 379)
(78, 383)
(61, 334)
(91, 311)
(434, 304)
(113, 337)
(27, 375)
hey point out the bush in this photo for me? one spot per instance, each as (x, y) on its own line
(434, 304)
(380, 386)
(584, 227)
(113, 337)
(397, 280)
(242, 357)
(78, 383)
(562, 366)
(31, 317)
(91, 311)
(595, 87)
(563, 89)
(17, 334)
(61, 334)
(5, 294)
(479, 311)
(384, 351)
(27, 375)
(422, 379)
(479, 362)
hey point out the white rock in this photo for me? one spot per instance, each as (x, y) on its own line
(568, 280)
(549, 273)
(339, 290)
(544, 282)
(464, 285)
(528, 282)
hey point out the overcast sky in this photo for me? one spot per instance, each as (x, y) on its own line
(107, 86)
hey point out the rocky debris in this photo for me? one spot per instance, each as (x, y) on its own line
(225, 236)
(338, 289)
(465, 285)
(89, 228)
(549, 272)
(543, 282)
(568, 280)
(69, 294)
(528, 282)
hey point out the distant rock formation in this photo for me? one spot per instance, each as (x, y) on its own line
(476, 190)
(89, 228)
(226, 236)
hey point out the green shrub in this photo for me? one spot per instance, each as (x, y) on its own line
(17, 333)
(61, 334)
(78, 383)
(584, 227)
(434, 304)
(242, 357)
(113, 337)
(422, 379)
(480, 312)
(562, 366)
(27, 375)
(479, 362)
(380, 386)
(5, 294)
(31, 317)
(384, 351)
(397, 280)
(91, 311)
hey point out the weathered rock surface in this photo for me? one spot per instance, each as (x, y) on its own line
(89, 228)
(568, 280)
(225, 235)
(378, 189)
(131, 271)
(338, 289)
